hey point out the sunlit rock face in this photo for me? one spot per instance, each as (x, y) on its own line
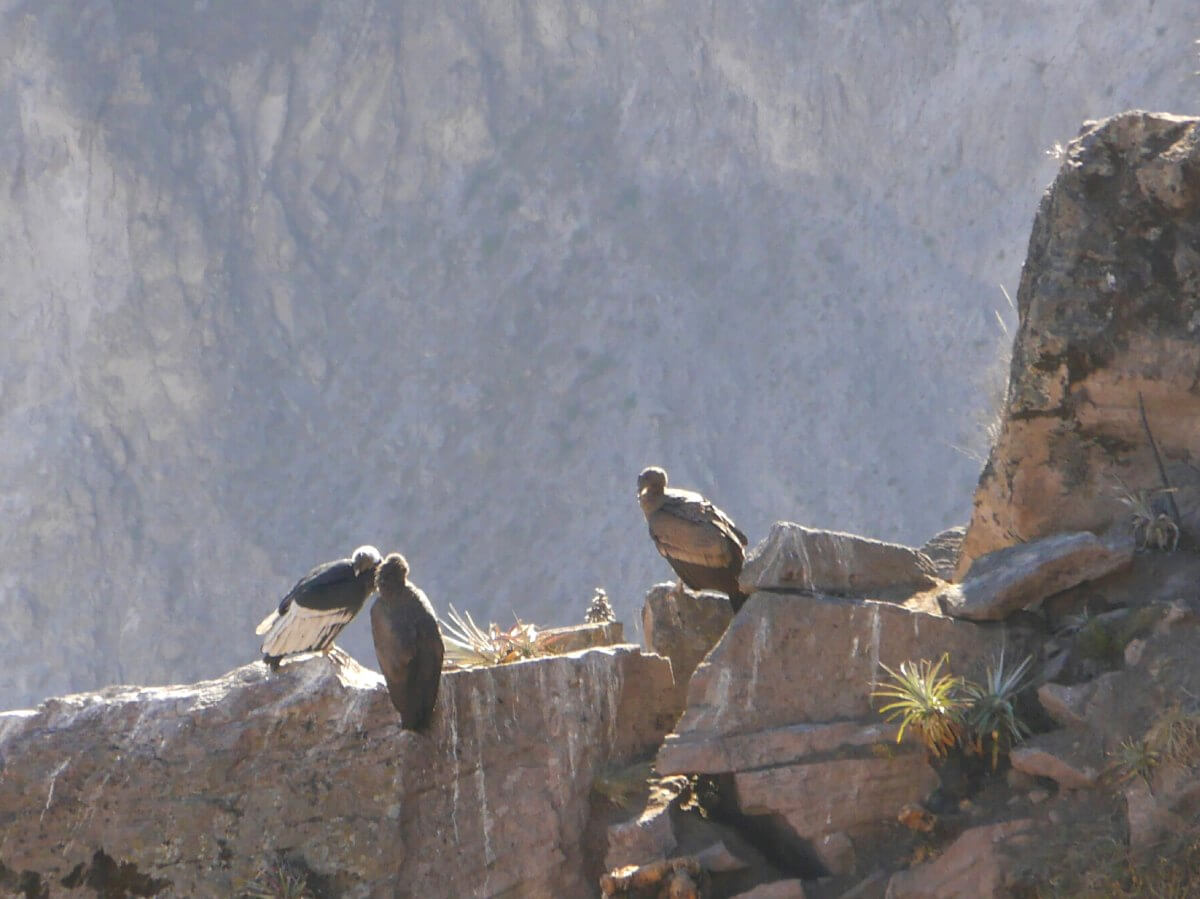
(281, 278)
(210, 788)
(1102, 402)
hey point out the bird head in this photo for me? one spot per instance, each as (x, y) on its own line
(365, 558)
(652, 480)
(392, 573)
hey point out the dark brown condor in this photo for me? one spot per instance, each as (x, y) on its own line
(408, 643)
(703, 545)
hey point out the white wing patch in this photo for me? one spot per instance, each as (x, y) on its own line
(265, 624)
(302, 630)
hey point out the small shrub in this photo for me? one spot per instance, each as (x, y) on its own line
(1175, 736)
(1135, 758)
(992, 717)
(927, 701)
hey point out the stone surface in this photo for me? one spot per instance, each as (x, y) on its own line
(1071, 758)
(793, 557)
(203, 785)
(1022, 576)
(1163, 808)
(972, 866)
(943, 548)
(1067, 705)
(819, 798)
(836, 852)
(683, 629)
(778, 889)
(576, 637)
(1109, 306)
(648, 836)
(794, 659)
(782, 704)
(872, 887)
(714, 754)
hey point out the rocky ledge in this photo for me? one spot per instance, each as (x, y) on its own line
(225, 786)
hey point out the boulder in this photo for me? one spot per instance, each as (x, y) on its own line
(823, 797)
(795, 659)
(973, 865)
(1067, 705)
(208, 788)
(683, 628)
(1109, 309)
(1071, 758)
(782, 705)
(1020, 577)
(795, 558)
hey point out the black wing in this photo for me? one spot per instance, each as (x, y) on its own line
(329, 586)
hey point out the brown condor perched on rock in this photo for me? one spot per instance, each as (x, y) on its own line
(321, 604)
(408, 643)
(703, 545)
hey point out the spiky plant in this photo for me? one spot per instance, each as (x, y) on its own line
(467, 644)
(1135, 758)
(924, 699)
(1151, 528)
(991, 716)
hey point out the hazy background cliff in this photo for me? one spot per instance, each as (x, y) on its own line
(284, 277)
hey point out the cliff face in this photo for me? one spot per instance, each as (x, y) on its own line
(284, 277)
(212, 788)
(1102, 402)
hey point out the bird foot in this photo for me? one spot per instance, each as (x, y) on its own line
(339, 655)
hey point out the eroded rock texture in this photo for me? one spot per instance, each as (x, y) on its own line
(782, 704)
(204, 787)
(1110, 309)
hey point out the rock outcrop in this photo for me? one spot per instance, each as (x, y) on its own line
(973, 865)
(1023, 576)
(210, 788)
(782, 708)
(683, 627)
(793, 557)
(1109, 307)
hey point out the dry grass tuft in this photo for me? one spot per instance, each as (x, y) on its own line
(468, 645)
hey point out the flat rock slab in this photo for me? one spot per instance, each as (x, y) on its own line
(796, 558)
(1071, 758)
(1021, 576)
(804, 659)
